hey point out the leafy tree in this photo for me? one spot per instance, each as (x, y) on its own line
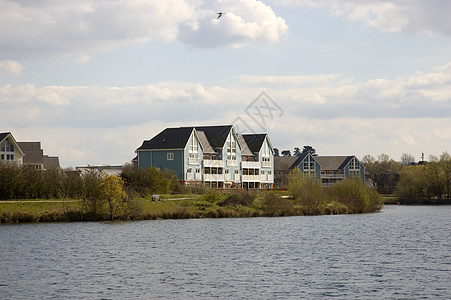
(276, 152)
(297, 151)
(309, 149)
(112, 198)
(286, 153)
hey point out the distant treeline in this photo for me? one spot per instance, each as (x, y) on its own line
(425, 182)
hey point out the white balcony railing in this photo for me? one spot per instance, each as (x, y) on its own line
(232, 163)
(193, 161)
(189, 176)
(332, 175)
(237, 177)
(213, 163)
(266, 164)
(250, 164)
(251, 177)
(226, 176)
(262, 177)
(213, 177)
(198, 176)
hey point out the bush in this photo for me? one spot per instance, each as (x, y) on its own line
(243, 198)
(275, 206)
(357, 196)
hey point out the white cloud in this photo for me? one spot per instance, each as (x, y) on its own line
(82, 59)
(431, 16)
(37, 28)
(340, 116)
(289, 80)
(10, 67)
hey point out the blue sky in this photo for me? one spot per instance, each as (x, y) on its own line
(92, 79)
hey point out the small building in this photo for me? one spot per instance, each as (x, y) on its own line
(329, 169)
(213, 155)
(10, 151)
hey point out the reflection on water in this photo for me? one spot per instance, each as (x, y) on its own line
(401, 252)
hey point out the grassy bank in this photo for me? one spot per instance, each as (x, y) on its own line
(213, 204)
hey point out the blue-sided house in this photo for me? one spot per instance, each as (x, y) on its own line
(329, 169)
(208, 154)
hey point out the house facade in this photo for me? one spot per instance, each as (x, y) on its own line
(214, 155)
(10, 151)
(329, 169)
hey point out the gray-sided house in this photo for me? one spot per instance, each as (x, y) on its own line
(213, 155)
(330, 169)
(9, 149)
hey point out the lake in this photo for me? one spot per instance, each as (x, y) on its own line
(401, 252)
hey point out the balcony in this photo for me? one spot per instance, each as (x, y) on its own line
(266, 164)
(262, 177)
(232, 163)
(198, 176)
(213, 177)
(193, 161)
(189, 176)
(250, 164)
(255, 178)
(339, 175)
(237, 177)
(213, 163)
(227, 177)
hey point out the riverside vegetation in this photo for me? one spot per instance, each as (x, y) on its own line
(67, 196)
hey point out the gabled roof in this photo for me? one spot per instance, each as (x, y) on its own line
(254, 141)
(170, 138)
(244, 147)
(333, 162)
(216, 135)
(207, 148)
(288, 162)
(4, 135)
(284, 163)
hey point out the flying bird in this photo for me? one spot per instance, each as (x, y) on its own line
(220, 14)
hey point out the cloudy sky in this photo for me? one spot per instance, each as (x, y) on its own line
(92, 79)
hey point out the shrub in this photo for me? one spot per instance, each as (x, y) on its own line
(274, 206)
(243, 198)
(357, 196)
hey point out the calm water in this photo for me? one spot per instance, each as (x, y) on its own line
(401, 252)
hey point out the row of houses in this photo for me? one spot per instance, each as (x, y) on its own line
(29, 154)
(220, 157)
(217, 156)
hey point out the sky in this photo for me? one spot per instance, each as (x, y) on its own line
(92, 79)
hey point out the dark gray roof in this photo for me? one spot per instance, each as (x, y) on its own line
(29, 146)
(33, 154)
(284, 163)
(3, 135)
(333, 162)
(170, 138)
(254, 141)
(216, 135)
(287, 162)
(244, 147)
(51, 162)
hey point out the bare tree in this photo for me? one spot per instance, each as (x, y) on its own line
(407, 159)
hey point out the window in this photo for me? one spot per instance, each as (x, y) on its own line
(197, 171)
(237, 172)
(226, 171)
(231, 146)
(190, 170)
(170, 156)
